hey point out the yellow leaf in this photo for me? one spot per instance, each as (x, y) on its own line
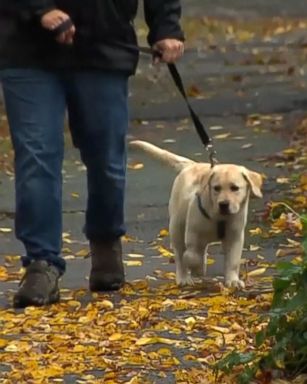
(256, 272)
(283, 180)
(165, 275)
(17, 346)
(194, 91)
(66, 250)
(256, 231)
(134, 380)
(164, 233)
(3, 273)
(115, 337)
(88, 377)
(135, 255)
(75, 195)
(107, 304)
(67, 241)
(164, 352)
(155, 340)
(244, 35)
(3, 343)
(164, 252)
(210, 261)
(129, 239)
(82, 253)
(190, 322)
(290, 151)
(219, 329)
(79, 348)
(190, 358)
(236, 327)
(222, 136)
(133, 263)
(136, 166)
(246, 146)
(74, 304)
(254, 248)
(5, 230)
(216, 128)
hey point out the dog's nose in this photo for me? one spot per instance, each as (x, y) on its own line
(224, 207)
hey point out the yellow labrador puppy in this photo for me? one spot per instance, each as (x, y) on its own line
(206, 205)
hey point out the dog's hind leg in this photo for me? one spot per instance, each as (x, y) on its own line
(182, 273)
(176, 230)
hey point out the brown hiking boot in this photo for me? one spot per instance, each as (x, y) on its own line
(39, 286)
(107, 273)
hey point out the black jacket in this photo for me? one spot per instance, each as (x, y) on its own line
(105, 37)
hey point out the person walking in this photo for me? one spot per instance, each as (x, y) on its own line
(58, 55)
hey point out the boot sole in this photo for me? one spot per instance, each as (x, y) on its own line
(23, 301)
(105, 286)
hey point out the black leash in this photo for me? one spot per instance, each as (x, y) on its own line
(200, 129)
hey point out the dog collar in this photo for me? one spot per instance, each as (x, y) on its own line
(201, 207)
(221, 225)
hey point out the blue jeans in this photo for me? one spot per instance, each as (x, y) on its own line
(36, 102)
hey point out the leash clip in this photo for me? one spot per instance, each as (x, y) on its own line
(212, 154)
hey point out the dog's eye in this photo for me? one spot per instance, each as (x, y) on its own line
(217, 188)
(234, 188)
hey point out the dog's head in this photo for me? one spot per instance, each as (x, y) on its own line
(229, 187)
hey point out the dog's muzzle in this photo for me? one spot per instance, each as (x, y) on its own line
(224, 207)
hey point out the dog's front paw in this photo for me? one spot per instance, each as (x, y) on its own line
(183, 281)
(198, 273)
(234, 282)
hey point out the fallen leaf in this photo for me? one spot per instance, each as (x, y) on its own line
(6, 230)
(247, 146)
(135, 255)
(222, 136)
(164, 251)
(133, 263)
(256, 231)
(3, 343)
(164, 233)
(82, 253)
(256, 272)
(136, 166)
(156, 340)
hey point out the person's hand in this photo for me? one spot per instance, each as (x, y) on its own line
(53, 19)
(169, 49)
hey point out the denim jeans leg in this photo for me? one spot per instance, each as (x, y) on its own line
(35, 105)
(98, 116)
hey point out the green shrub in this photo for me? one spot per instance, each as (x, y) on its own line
(286, 332)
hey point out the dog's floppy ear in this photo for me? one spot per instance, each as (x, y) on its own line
(255, 181)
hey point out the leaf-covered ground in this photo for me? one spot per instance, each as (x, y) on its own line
(145, 332)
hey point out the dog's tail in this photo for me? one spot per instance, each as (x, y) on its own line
(175, 161)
